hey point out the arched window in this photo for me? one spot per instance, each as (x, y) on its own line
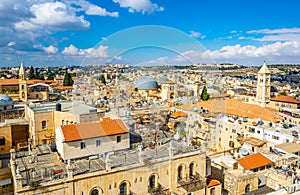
(180, 173)
(94, 192)
(231, 144)
(123, 188)
(152, 181)
(192, 169)
(247, 188)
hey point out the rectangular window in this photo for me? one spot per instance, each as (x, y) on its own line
(98, 143)
(2, 141)
(44, 124)
(82, 145)
(212, 191)
(118, 138)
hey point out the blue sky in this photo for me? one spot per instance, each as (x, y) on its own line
(149, 32)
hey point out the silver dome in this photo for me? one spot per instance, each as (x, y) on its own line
(146, 83)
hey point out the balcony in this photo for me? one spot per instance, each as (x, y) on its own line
(158, 190)
(192, 183)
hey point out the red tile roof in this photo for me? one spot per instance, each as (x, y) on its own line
(9, 81)
(82, 131)
(254, 161)
(64, 87)
(236, 108)
(179, 114)
(285, 98)
(213, 182)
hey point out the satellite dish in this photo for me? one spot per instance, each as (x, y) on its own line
(244, 152)
(176, 136)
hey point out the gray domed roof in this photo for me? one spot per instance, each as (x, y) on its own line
(146, 83)
(5, 100)
(163, 79)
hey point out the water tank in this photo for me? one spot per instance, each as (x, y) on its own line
(58, 107)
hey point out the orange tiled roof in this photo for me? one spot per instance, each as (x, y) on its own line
(9, 81)
(83, 131)
(254, 161)
(219, 95)
(64, 87)
(178, 114)
(236, 108)
(213, 182)
(33, 81)
(285, 98)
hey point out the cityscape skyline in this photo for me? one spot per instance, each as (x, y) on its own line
(66, 32)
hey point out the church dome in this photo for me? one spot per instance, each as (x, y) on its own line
(163, 79)
(146, 83)
(5, 100)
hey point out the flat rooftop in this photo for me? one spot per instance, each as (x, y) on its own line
(47, 167)
(74, 107)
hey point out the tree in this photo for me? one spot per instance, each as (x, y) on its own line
(31, 73)
(68, 79)
(204, 94)
(102, 79)
(51, 76)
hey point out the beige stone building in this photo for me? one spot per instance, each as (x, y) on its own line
(263, 86)
(172, 168)
(45, 118)
(282, 101)
(93, 138)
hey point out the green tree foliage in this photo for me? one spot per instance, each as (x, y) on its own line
(68, 79)
(51, 76)
(31, 73)
(204, 94)
(102, 79)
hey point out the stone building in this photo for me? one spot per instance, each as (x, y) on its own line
(45, 118)
(93, 138)
(172, 168)
(263, 86)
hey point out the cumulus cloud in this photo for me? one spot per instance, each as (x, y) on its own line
(143, 6)
(51, 49)
(244, 54)
(96, 10)
(100, 52)
(28, 22)
(55, 15)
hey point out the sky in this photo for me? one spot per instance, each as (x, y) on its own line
(149, 32)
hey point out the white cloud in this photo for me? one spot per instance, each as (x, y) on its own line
(275, 31)
(96, 10)
(51, 49)
(275, 52)
(272, 35)
(195, 34)
(100, 52)
(155, 62)
(143, 6)
(71, 50)
(12, 43)
(57, 14)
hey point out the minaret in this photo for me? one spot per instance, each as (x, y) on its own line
(263, 86)
(22, 83)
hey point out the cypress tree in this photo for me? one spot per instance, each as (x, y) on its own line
(204, 94)
(31, 73)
